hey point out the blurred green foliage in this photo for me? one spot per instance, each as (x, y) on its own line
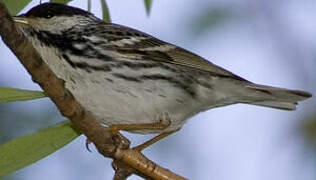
(60, 1)
(148, 4)
(11, 95)
(210, 18)
(15, 6)
(105, 11)
(308, 131)
(28, 149)
(89, 5)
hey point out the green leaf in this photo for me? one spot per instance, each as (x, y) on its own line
(60, 1)
(15, 6)
(11, 95)
(148, 4)
(105, 11)
(28, 149)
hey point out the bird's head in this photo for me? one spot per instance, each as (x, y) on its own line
(53, 17)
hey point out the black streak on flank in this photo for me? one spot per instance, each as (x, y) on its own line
(85, 66)
(109, 80)
(67, 59)
(187, 87)
(127, 78)
(136, 65)
(204, 84)
(72, 80)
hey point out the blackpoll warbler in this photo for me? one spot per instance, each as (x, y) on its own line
(132, 81)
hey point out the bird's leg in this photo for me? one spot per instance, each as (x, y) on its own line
(159, 125)
(163, 122)
(138, 127)
(153, 140)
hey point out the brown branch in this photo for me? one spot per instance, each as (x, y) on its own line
(115, 146)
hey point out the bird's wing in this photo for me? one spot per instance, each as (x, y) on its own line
(133, 44)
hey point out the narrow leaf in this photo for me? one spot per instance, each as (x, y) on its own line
(89, 5)
(105, 11)
(15, 6)
(11, 95)
(148, 4)
(28, 149)
(60, 1)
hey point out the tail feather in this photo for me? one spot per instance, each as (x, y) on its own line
(278, 105)
(277, 97)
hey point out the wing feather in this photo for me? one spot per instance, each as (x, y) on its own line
(137, 45)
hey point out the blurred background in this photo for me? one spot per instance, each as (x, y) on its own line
(267, 42)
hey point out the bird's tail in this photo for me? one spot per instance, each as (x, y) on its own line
(276, 97)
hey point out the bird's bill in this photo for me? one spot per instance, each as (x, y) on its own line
(20, 20)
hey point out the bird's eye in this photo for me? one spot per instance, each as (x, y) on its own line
(49, 15)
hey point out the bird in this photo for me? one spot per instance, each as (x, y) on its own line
(130, 80)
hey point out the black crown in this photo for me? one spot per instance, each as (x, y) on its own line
(48, 10)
